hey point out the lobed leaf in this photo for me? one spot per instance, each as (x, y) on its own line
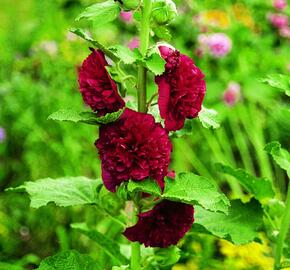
(260, 187)
(148, 186)
(166, 257)
(123, 53)
(279, 81)
(67, 191)
(162, 32)
(110, 247)
(280, 155)
(196, 190)
(240, 226)
(209, 118)
(154, 62)
(101, 13)
(85, 117)
(69, 260)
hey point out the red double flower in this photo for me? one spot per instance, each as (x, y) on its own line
(98, 89)
(181, 89)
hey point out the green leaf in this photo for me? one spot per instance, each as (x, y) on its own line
(285, 264)
(154, 62)
(148, 186)
(69, 260)
(67, 191)
(8, 266)
(279, 81)
(123, 267)
(166, 257)
(196, 190)
(240, 226)
(111, 203)
(260, 187)
(123, 53)
(110, 247)
(280, 155)
(162, 32)
(110, 117)
(186, 130)
(209, 118)
(101, 13)
(85, 117)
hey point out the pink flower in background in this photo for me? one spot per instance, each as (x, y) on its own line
(232, 94)
(162, 226)
(2, 135)
(134, 43)
(219, 44)
(278, 20)
(285, 32)
(126, 16)
(280, 4)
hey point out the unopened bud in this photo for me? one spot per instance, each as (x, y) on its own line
(164, 11)
(130, 4)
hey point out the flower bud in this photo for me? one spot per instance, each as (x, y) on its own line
(164, 11)
(130, 4)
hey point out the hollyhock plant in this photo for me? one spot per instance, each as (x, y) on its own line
(140, 194)
(134, 147)
(181, 89)
(99, 91)
(162, 226)
(232, 94)
(280, 4)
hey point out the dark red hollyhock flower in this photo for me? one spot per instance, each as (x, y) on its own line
(162, 226)
(181, 89)
(134, 147)
(99, 91)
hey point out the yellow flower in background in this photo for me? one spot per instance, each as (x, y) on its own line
(243, 15)
(190, 265)
(222, 19)
(215, 18)
(246, 256)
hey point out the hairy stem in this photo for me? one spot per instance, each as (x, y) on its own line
(142, 107)
(285, 224)
(135, 246)
(144, 44)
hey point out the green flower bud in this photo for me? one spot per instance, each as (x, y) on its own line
(164, 11)
(130, 4)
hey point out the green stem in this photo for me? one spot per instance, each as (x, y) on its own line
(142, 107)
(283, 232)
(135, 248)
(144, 44)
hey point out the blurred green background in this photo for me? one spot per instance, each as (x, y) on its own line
(39, 59)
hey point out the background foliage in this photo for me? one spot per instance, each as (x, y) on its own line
(39, 60)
